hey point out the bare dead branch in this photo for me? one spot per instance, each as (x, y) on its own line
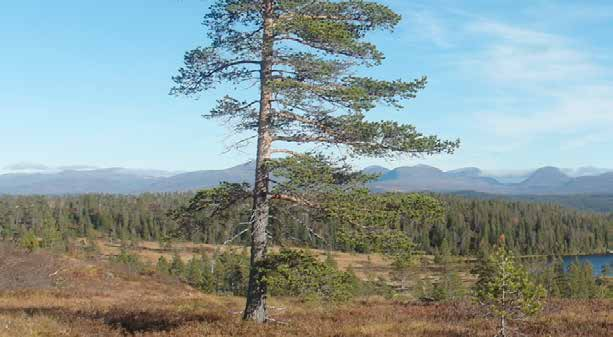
(236, 236)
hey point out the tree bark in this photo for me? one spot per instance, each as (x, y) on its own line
(255, 309)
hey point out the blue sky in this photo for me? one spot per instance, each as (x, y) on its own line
(523, 84)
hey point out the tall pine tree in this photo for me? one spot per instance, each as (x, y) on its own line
(301, 54)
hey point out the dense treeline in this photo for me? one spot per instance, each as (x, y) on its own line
(470, 226)
(602, 203)
(116, 216)
(530, 228)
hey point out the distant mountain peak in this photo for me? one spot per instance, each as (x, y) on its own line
(421, 168)
(546, 176)
(375, 169)
(549, 171)
(415, 170)
(424, 166)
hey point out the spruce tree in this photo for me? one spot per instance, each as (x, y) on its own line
(301, 54)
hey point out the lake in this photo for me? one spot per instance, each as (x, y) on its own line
(597, 261)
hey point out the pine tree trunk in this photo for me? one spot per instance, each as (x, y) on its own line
(255, 308)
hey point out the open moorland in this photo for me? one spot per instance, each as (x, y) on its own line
(45, 294)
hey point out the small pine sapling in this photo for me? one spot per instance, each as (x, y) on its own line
(505, 289)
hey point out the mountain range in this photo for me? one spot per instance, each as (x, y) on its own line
(543, 181)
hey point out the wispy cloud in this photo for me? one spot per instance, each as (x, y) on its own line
(516, 54)
(575, 100)
(511, 33)
(537, 79)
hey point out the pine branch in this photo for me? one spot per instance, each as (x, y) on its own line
(327, 49)
(294, 199)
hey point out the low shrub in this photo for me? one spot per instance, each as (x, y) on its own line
(300, 274)
(29, 241)
(131, 261)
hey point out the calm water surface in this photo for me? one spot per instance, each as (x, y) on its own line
(597, 261)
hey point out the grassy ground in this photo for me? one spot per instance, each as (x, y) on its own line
(370, 266)
(76, 297)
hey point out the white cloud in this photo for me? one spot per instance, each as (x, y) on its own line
(518, 54)
(572, 96)
(29, 168)
(511, 33)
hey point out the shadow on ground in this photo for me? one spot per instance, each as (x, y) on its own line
(127, 321)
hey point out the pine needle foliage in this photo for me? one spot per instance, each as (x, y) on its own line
(505, 290)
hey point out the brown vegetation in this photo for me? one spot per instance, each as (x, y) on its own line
(22, 270)
(95, 298)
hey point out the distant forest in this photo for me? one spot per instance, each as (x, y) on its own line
(472, 225)
(602, 203)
